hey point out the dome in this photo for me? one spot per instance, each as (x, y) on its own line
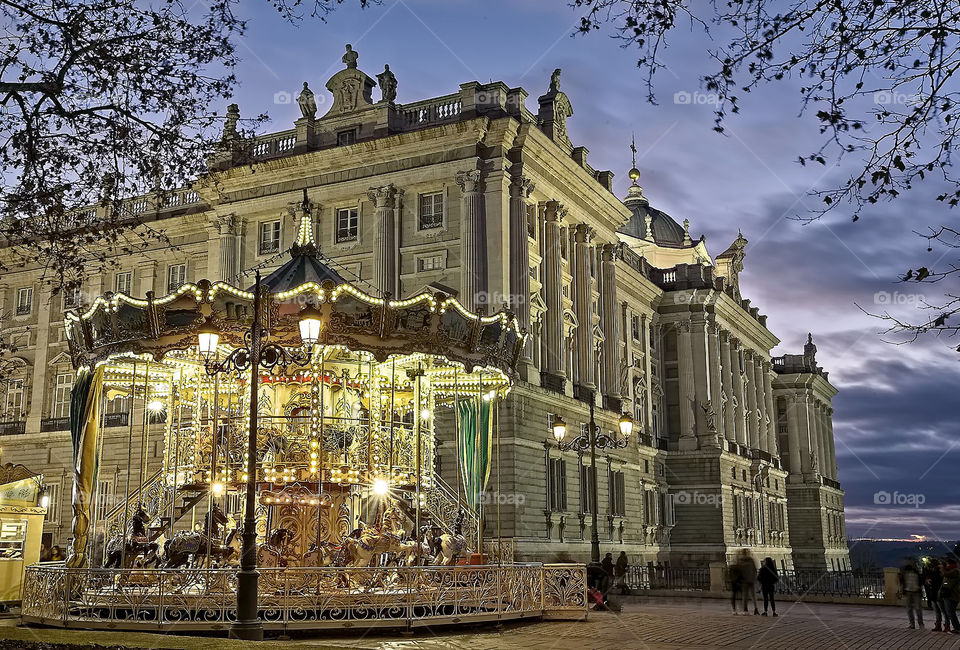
(664, 230)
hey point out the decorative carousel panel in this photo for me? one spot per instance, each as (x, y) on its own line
(180, 314)
(456, 328)
(414, 317)
(132, 322)
(354, 315)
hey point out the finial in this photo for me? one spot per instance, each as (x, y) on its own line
(634, 173)
(809, 337)
(686, 232)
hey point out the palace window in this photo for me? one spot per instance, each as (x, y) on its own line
(669, 514)
(430, 262)
(176, 276)
(104, 499)
(346, 137)
(24, 301)
(635, 326)
(431, 211)
(71, 298)
(617, 492)
(347, 225)
(53, 507)
(61, 396)
(588, 478)
(269, 237)
(13, 404)
(123, 282)
(557, 484)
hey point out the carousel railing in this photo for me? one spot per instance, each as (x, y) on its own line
(153, 494)
(443, 506)
(309, 598)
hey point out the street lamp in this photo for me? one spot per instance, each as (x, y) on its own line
(592, 439)
(255, 354)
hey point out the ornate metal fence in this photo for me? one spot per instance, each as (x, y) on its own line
(307, 598)
(844, 584)
(660, 577)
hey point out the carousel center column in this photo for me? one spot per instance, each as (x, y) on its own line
(473, 240)
(611, 334)
(520, 189)
(385, 248)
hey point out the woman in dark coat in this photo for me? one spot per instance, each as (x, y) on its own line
(768, 578)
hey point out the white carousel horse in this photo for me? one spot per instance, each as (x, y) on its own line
(452, 545)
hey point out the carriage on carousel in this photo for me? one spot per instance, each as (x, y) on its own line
(354, 390)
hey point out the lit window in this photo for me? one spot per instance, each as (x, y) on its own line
(431, 211)
(347, 225)
(176, 276)
(24, 301)
(269, 237)
(124, 281)
(61, 396)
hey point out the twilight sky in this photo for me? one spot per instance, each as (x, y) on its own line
(894, 417)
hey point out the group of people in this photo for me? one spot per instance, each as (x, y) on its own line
(744, 576)
(603, 578)
(937, 582)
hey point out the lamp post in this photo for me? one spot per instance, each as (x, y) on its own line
(593, 440)
(255, 354)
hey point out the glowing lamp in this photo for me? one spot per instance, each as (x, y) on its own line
(208, 338)
(44, 501)
(311, 322)
(626, 425)
(155, 406)
(425, 414)
(380, 487)
(217, 489)
(559, 428)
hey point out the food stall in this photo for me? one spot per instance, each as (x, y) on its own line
(21, 526)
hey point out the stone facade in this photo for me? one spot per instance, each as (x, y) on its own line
(474, 194)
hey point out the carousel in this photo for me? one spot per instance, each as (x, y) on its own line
(298, 420)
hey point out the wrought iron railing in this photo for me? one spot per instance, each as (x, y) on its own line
(845, 584)
(305, 598)
(443, 506)
(665, 577)
(13, 428)
(54, 424)
(155, 500)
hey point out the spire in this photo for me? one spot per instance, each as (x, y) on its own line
(634, 192)
(634, 172)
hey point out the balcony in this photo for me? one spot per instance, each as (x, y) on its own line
(55, 424)
(116, 420)
(13, 428)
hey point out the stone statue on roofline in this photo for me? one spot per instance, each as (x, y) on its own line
(307, 102)
(555, 81)
(388, 85)
(350, 57)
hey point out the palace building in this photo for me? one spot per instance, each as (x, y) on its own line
(481, 194)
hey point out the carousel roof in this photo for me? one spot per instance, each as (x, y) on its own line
(430, 322)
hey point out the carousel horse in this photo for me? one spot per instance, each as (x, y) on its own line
(371, 541)
(451, 546)
(274, 552)
(196, 546)
(128, 551)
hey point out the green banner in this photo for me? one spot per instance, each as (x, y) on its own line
(475, 428)
(84, 431)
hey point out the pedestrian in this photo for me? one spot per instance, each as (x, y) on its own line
(736, 584)
(932, 581)
(910, 586)
(768, 578)
(950, 593)
(620, 572)
(748, 569)
(56, 555)
(44, 553)
(607, 564)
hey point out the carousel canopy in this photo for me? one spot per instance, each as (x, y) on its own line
(430, 323)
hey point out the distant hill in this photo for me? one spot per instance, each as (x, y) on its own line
(879, 553)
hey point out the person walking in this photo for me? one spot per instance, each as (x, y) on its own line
(736, 584)
(910, 586)
(950, 594)
(620, 572)
(768, 578)
(748, 572)
(932, 581)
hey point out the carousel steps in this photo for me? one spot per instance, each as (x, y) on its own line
(190, 495)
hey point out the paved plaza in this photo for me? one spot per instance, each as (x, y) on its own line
(663, 624)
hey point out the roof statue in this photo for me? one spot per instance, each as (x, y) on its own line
(388, 85)
(555, 81)
(350, 57)
(555, 108)
(307, 102)
(230, 124)
(352, 90)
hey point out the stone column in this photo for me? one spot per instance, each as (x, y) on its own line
(763, 435)
(584, 383)
(738, 393)
(229, 229)
(716, 382)
(726, 374)
(795, 465)
(804, 408)
(822, 455)
(687, 388)
(831, 444)
(147, 279)
(610, 318)
(753, 434)
(385, 247)
(43, 304)
(702, 376)
(553, 318)
(772, 433)
(473, 240)
(520, 189)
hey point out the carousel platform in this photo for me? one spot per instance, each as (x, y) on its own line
(302, 598)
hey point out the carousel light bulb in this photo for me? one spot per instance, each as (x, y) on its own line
(217, 489)
(155, 406)
(425, 414)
